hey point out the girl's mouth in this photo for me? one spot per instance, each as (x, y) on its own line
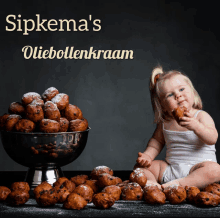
(181, 102)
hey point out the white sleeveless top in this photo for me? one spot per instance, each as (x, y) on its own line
(186, 147)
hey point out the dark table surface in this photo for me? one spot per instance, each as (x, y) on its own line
(121, 208)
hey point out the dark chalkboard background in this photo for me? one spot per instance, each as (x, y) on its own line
(113, 94)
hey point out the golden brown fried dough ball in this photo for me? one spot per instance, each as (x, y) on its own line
(100, 170)
(62, 193)
(93, 184)
(4, 192)
(22, 186)
(44, 186)
(49, 93)
(132, 191)
(16, 108)
(213, 188)
(29, 97)
(79, 179)
(123, 184)
(69, 185)
(175, 194)
(72, 112)
(49, 126)
(25, 125)
(179, 112)
(80, 116)
(106, 179)
(85, 191)
(3, 119)
(63, 182)
(51, 111)
(18, 197)
(11, 121)
(75, 202)
(153, 195)
(78, 125)
(47, 198)
(103, 200)
(114, 191)
(207, 199)
(118, 180)
(38, 102)
(61, 100)
(34, 112)
(64, 124)
(191, 192)
(60, 181)
(150, 186)
(139, 177)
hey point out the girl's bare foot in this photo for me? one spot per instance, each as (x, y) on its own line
(171, 183)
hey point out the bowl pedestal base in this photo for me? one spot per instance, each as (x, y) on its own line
(36, 175)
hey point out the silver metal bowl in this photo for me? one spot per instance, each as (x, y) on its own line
(44, 153)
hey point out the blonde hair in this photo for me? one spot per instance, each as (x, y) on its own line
(157, 77)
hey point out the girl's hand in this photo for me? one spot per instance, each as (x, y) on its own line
(144, 160)
(188, 121)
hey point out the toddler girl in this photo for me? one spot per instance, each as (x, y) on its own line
(190, 142)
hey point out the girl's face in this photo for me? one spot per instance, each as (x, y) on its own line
(175, 91)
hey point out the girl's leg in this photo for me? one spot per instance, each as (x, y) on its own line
(155, 172)
(200, 175)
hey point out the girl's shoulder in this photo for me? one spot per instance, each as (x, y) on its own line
(203, 116)
(158, 133)
(200, 113)
(196, 113)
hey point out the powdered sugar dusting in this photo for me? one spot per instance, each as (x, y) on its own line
(48, 120)
(14, 105)
(102, 168)
(149, 185)
(110, 186)
(58, 98)
(135, 184)
(31, 94)
(138, 174)
(130, 186)
(33, 105)
(138, 170)
(48, 91)
(173, 186)
(105, 174)
(84, 187)
(13, 116)
(49, 105)
(132, 175)
(37, 102)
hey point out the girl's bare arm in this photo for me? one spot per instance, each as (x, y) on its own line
(203, 126)
(154, 147)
